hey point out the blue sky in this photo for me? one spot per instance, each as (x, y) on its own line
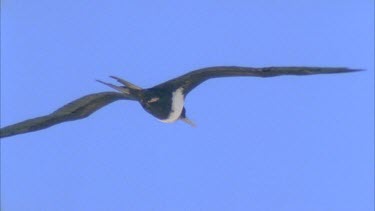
(283, 143)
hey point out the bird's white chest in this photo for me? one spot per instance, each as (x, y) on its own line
(177, 106)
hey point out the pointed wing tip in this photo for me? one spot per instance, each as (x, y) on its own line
(357, 70)
(336, 70)
(348, 70)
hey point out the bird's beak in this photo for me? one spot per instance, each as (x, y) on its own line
(188, 121)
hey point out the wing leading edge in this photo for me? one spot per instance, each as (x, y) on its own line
(192, 79)
(77, 109)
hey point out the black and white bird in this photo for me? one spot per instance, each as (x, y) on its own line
(164, 101)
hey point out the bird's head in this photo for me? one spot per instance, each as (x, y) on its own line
(156, 102)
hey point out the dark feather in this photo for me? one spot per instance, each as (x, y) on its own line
(78, 109)
(84, 106)
(192, 79)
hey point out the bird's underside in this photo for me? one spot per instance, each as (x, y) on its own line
(164, 101)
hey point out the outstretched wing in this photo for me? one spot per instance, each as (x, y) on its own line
(194, 78)
(78, 109)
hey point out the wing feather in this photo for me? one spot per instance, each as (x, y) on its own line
(77, 109)
(194, 78)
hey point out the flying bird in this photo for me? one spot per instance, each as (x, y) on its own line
(164, 101)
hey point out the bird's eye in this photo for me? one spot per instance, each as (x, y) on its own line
(152, 100)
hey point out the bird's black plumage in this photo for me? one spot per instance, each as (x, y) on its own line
(164, 101)
(192, 79)
(77, 109)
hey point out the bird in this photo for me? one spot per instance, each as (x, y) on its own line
(164, 101)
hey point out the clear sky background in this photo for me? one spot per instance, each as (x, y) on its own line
(283, 143)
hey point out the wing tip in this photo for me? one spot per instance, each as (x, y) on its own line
(337, 70)
(348, 70)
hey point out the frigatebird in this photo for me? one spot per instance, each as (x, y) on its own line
(164, 101)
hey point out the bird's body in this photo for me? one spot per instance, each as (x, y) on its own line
(164, 101)
(175, 106)
(164, 104)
